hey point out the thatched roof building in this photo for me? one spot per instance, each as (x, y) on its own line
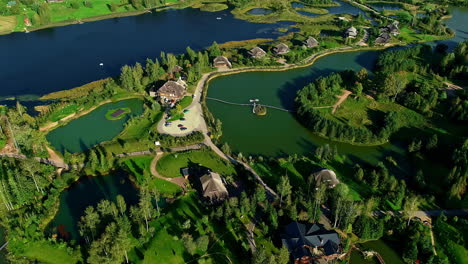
(311, 42)
(222, 61)
(351, 32)
(257, 53)
(281, 49)
(391, 29)
(326, 176)
(213, 188)
(172, 90)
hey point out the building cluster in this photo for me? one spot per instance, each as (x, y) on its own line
(385, 33)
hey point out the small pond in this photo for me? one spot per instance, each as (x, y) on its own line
(297, 5)
(345, 8)
(260, 11)
(93, 128)
(89, 191)
(386, 6)
(388, 254)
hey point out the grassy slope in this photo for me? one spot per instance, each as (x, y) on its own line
(63, 112)
(167, 247)
(139, 167)
(43, 252)
(170, 165)
(299, 171)
(7, 24)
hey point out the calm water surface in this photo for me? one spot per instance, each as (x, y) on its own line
(89, 191)
(279, 133)
(93, 128)
(65, 57)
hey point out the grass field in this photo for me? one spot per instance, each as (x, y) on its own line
(7, 24)
(299, 171)
(44, 252)
(186, 101)
(64, 112)
(139, 167)
(368, 112)
(170, 165)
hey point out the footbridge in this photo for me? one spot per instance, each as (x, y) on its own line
(251, 104)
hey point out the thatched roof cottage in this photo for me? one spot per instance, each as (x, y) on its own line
(311, 42)
(221, 61)
(213, 188)
(351, 32)
(257, 53)
(281, 49)
(172, 91)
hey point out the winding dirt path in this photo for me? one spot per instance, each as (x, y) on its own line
(341, 99)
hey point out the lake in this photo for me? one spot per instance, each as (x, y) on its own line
(279, 133)
(89, 191)
(91, 129)
(65, 57)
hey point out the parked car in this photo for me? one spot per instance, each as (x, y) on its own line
(167, 124)
(183, 128)
(180, 125)
(182, 119)
(186, 111)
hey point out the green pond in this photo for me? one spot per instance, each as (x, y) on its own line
(279, 133)
(88, 191)
(93, 128)
(388, 254)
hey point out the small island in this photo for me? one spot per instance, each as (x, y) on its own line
(116, 114)
(260, 110)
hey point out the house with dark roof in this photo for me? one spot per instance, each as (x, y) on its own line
(257, 53)
(281, 49)
(351, 32)
(213, 188)
(383, 39)
(171, 91)
(326, 176)
(221, 61)
(310, 242)
(391, 29)
(311, 42)
(185, 173)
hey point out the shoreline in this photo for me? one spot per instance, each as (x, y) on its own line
(64, 121)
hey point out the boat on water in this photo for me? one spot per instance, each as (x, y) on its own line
(218, 18)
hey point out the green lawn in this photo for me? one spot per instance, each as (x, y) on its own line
(64, 11)
(170, 165)
(139, 167)
(44, 252)
(186, 101)
(63, 112)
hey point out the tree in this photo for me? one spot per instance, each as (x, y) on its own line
(89, 222)
(284, 188)
(283, 256)
(121, 204)
(359, 174)
(214, 50)
(202, 243)
(410, 206)
(189, 244)
(126, 78)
